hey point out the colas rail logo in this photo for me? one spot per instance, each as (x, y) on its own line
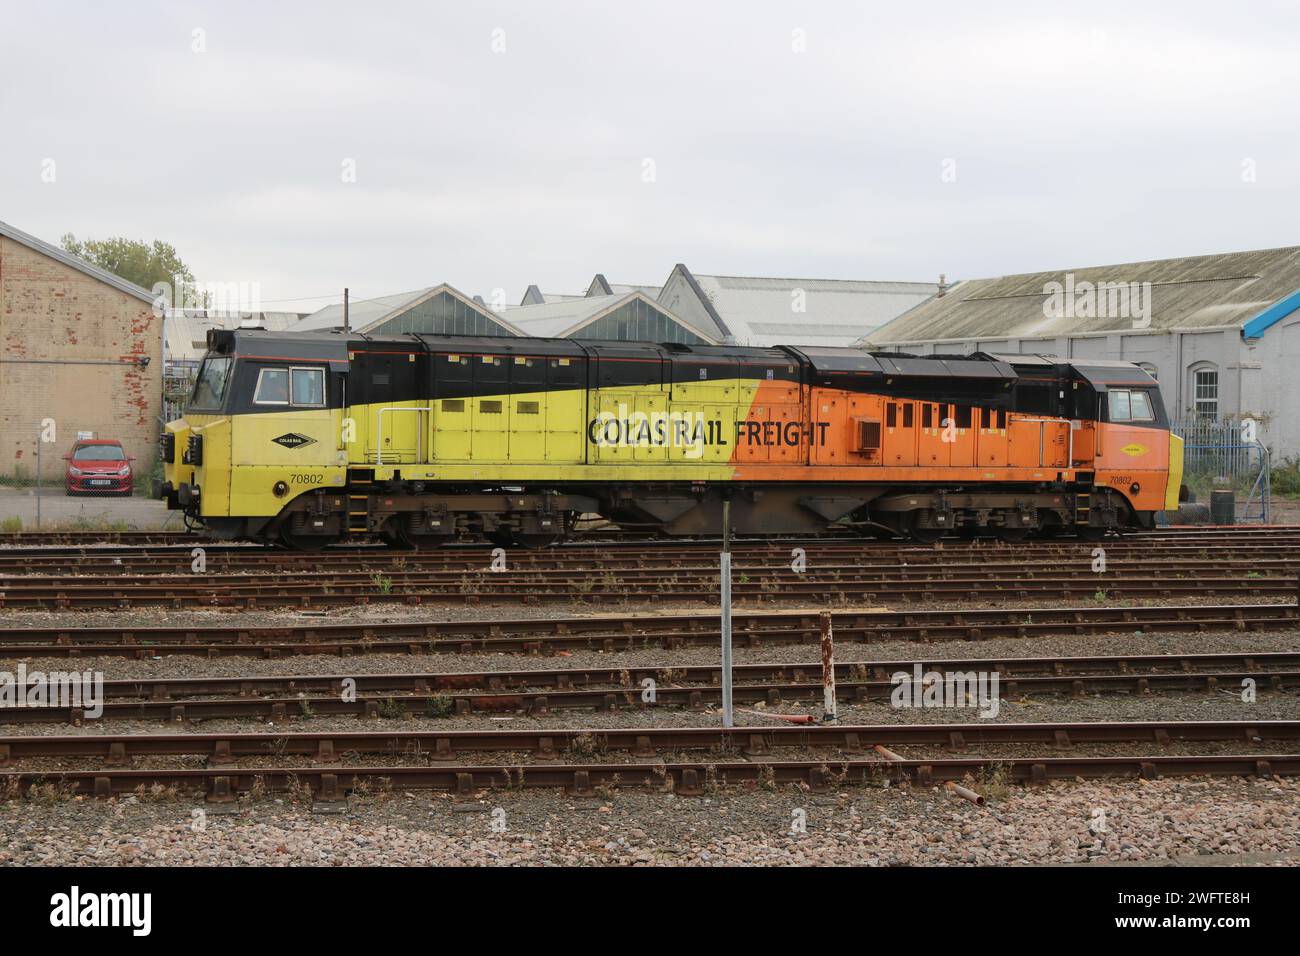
(293, 440)
(1134, 450)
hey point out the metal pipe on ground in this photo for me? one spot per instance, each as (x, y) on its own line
(965, 793)
(788, 718)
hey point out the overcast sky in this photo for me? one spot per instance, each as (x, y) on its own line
(500, 144)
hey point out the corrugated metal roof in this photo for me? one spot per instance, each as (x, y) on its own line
(553, 319)
(1189, 293)
(535, 296)
(68, 259)
(186, 331)
(836, 312)
(602, 286)
(559, 319)
(364, 314)
(618, 288)
(361, 313)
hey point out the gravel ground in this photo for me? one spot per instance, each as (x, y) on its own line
(1205, 821)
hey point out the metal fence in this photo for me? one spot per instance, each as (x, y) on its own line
(1218, 455)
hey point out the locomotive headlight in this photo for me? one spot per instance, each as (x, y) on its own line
(280, 489)
(1135, 487)
(74, 470)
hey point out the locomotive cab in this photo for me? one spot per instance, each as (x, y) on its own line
(263, 422)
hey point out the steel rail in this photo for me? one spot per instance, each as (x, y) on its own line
(539, 702)
(329, 785)
(58, 543)
(446, 745)
(612, 688)
(234, 558)
(651, 569)
(634, 632)
(207, 592)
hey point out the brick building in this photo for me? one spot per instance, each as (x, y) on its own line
(81, 350)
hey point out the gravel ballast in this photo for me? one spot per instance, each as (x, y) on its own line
(1253, 821)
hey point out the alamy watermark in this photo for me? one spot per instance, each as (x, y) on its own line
(73, 689)
(74, 909)
(948, 689)
(229, 298)
(1098, 300)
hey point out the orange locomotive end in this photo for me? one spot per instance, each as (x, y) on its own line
(1033, 445)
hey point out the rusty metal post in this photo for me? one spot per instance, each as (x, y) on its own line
(828, 670)
(728, 713)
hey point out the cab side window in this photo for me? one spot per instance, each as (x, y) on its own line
(308, 386)
(272, 387)
(300, 387)
(1141, 403)
(1130, 406)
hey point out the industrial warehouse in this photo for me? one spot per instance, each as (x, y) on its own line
(556, 441)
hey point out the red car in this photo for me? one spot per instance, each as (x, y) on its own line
(99, 466)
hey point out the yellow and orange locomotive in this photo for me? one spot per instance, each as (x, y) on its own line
(314, 437)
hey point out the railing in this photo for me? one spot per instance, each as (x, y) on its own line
(1216, 455)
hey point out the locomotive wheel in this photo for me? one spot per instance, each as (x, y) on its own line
(927, 535)
(420, 542)
(304, 542)
(425, 542)
(502, 539)
(535, 541)
(394, 538)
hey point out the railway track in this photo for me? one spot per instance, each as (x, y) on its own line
(549, 744)
(331, 785)
(921, 583)
(634, 552)
(631, 633)
(1254, 563)
(538, 692)
(737, 756)
(243, 565)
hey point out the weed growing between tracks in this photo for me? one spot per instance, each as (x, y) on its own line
(156, 793)
(992, 782)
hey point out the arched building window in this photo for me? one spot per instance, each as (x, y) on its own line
(1205, 391)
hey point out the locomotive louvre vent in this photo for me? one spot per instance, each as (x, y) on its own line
(529, 408)
(453, 404)
(490, 407)
(867, 435)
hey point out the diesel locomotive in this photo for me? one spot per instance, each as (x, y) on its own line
(310, 438)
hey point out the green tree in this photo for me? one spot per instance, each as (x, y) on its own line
(132, 259)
